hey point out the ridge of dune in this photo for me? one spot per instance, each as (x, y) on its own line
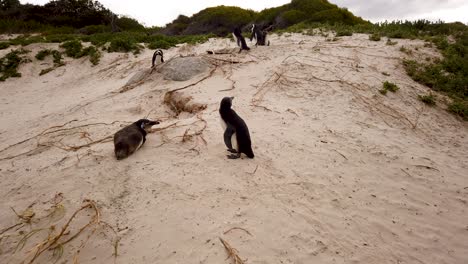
(342, 174)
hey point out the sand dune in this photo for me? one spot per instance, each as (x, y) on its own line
(342, 174)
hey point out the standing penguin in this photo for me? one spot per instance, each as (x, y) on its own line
(158, 56)
(130, 138)
(240, 39)
(259, 35)
(236, 131)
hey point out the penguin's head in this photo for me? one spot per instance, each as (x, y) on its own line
(146, 124)
(159, 55)
(253, 28)
(226, 103)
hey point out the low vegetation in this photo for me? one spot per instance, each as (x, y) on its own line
(406, 50)
(341, 33)
(74, 49)
(448, 75)
(375, 37)
(57, 59)
(10, 62)
(4, 45)
(388, 86)
(429, 99)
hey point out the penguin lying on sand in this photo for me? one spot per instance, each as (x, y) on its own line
(240, 39)
(158, 57)
(236, 131)
(130, 138)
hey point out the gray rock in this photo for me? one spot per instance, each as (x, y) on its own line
(183, 69)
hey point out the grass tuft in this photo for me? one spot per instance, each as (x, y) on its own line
(390, 86)
(375, 37)
(429, 99)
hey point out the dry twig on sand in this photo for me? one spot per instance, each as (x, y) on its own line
(232, 252)
(52, 242)
(239, 228)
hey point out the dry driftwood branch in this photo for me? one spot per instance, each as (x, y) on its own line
(52, 241)
(264, 88)
(239, 228)
(232, 252)
(341, 154)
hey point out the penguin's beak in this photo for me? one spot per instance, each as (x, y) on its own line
(232, 98)
(152, 123)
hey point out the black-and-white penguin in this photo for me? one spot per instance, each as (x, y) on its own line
(130, 138)
(237, 34)
(259, 35)
(158, 57)
(236, 132)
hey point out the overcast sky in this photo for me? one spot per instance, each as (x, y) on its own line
(159, 13)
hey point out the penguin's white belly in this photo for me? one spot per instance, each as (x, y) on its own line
(223, 124)
(235, 38)
(234, 142)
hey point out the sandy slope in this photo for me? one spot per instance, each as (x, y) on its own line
(342, 174)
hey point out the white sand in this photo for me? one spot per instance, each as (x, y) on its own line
(342, 174)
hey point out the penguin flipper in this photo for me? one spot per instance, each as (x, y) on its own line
(227, 136)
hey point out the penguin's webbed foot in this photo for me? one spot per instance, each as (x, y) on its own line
(232, 150)
(233, 156)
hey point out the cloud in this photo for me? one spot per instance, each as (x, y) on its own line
(379, 10)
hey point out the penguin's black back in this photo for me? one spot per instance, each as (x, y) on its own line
(242, 131)
(128, 140)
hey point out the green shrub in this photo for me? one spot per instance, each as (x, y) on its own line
(4, 45)
(43, 53)
(374, 37)
(459, 107)
(25, 40)
(93, 53)
(390, 86)
(293, 16)
(429, 99)
(396, 34)
(59, 38)
(160, 44)
(440, 42)
(73, 48)
(449, 75)
(57, 58)
(94, 29)
(344, 33)
(9, 64)
(123, 45)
